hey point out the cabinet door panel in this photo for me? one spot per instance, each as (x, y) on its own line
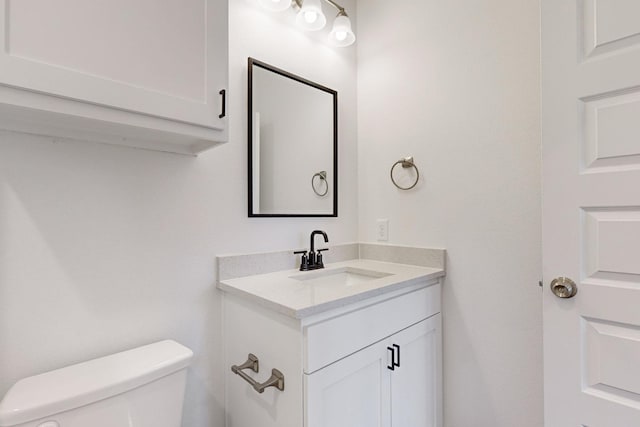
(416, 383)
(353, 392)
(164, 58)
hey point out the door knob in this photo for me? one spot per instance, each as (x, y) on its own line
(563, 287)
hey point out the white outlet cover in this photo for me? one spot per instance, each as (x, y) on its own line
(382, 230)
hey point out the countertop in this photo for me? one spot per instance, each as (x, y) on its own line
(281, 292)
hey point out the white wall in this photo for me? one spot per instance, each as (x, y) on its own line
(455, 84)
(104, 248)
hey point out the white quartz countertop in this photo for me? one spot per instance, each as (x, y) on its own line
(282, 292)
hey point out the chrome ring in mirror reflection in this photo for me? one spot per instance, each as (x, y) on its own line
(323, 177)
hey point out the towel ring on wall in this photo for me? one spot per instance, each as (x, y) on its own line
(407, 162)
(323, 178)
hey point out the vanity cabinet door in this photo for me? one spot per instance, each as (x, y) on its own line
(161, 58)
(416, 384)
(353, 392)
(362, 390)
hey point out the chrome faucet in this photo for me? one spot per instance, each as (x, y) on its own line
(313, 261)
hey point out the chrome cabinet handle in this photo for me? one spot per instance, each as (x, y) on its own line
(563, 287)
(276, 380)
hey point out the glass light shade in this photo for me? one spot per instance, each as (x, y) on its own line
(275, 5)
(341, 34)
(310, 17)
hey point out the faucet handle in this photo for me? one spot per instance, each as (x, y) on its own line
(304, 261)
(319, 261)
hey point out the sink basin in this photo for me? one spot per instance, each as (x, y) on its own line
(346, 276)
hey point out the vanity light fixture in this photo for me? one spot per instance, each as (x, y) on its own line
(341, 34)
(311, 18)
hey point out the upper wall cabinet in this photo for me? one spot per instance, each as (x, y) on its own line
(146, 73)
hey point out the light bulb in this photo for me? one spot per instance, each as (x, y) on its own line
(310, 17)
(341, 34)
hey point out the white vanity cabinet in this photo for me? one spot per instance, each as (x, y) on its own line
(142, 73)
(367, 389)
(339, 364)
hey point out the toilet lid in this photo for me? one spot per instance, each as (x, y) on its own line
(78, 385)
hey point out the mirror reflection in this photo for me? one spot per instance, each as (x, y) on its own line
(292, 144)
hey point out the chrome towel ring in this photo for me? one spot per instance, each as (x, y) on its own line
(407, 162)
(322, 175)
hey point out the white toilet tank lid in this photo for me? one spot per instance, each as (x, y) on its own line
(78, 385)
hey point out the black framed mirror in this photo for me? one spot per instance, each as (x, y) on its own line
(293, 145)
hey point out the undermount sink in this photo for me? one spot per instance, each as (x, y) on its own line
(345, 276)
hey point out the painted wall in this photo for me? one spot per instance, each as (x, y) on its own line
(455, 84)
(104, 248)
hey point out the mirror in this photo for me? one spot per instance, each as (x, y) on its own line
(293, 142)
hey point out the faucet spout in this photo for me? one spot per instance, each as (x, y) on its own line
(313, 260)
(313, 235)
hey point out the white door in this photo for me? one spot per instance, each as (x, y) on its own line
(591, 211)
(416, 383)
(163, 58)
(353, 392)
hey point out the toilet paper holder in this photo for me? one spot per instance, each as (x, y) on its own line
(253, 363)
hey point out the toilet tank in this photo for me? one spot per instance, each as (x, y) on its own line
(143, 387)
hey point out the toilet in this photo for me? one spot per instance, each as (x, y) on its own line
(143, 387)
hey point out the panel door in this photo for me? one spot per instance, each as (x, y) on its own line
(163, 58)
(416, 383)
(353, 392)
(591, 211)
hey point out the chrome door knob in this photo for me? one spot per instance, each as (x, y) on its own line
(563, 287)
